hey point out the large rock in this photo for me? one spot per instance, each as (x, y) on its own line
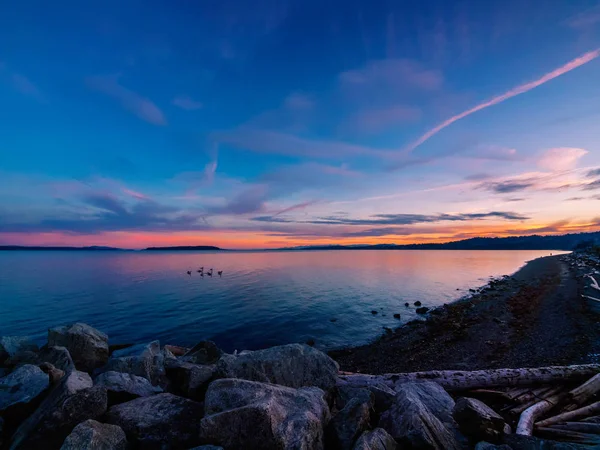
(382, 396)
(17, 349)
(189, 380)
(249, 414)
(348, 424)
(92, 435)
(59, 357)
(205, 352)
(21, 391)
(159, 421)
(293, 365)
(88, 347)
(478, 421)
(143, 360)
(378, 439)
(45, 422)
(421, 418)
(124, 387)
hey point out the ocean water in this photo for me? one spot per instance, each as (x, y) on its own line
(262, 299)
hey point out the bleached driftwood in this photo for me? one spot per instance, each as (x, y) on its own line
(535, 398)
(576, 397)
(591, 298)
(586, 411)
(594, 283)
(457, 380)
(570, 436)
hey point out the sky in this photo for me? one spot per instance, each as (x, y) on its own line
(276, 123)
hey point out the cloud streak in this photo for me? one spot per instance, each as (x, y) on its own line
(142, 107)
(573, 64)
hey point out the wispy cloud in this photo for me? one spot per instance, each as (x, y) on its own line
(142, 107)
(401, 73)
(187, 103)
(585, 19)
(573, 64)
(25, 86)
(557, 159)
(593, 173)
(376, 120)
(298, 101)
(592, 186)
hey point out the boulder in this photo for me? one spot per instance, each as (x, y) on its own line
(383, 396)
(293, 365)
(378, 439)
(189, 380)
(12, 346)
(124, 387)
(59, 357)
(477, 420)
(87, 346)
(54, 427)
(205, 352)
(348, 424)
(159, 421)
(92, 435)
(344, 394)
(21, 391)
(249, 414)
(143, 360)
(421, 418)
(27, 435)
(54, 374)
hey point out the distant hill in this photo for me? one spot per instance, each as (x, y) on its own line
(532, 242)
(39, 248)
(183, 247)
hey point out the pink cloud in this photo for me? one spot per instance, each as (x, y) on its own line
(142, 107)
(135, 194)
(585, 19)
(297, 101)
(187, 103)
(380, 119)
(396, 72)
(563, 158)
(573, 64)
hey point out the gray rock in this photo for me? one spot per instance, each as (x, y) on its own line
(421, 418)
(487, 446)
(205, 352)
(293, 365)
(422, 310)
(383, 397)
(378, 439)
(11, 346)
(92, 435)
(70, 385)
(518, 442)
(159, 421)
(249, 414)
(87, 346)
(124, 387)
(58, 423)
(143, 360)
(54, 374)
(477, 420)
(348, 424)
(207, 447)
(21, 391)
(190, 380)
(59, 357)
(345, 394)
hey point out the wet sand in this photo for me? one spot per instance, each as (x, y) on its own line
(536, 317)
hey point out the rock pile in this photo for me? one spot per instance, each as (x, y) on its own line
(74, 393)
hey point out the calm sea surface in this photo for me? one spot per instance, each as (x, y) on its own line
(263, 298)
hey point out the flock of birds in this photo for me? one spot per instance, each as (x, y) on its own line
(208, 272)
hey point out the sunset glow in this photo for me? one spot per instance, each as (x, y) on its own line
(233, 126)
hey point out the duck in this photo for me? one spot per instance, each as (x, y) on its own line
(189, 272)
(220, 272)
(209, 273)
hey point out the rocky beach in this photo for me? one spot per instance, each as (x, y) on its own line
(455, 380)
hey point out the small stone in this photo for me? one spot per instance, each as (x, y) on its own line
(396, 316)
(333, 320)
(87, 346)
(54, 374)
(407, 304)
(92, 435)
(417, 303)
(422, 310)
(378, 439)
(374, 312)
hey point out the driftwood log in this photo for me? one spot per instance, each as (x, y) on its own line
(456, 380)
(586, 411)
(573, 399)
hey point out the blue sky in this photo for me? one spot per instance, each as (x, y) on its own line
(274, 123)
